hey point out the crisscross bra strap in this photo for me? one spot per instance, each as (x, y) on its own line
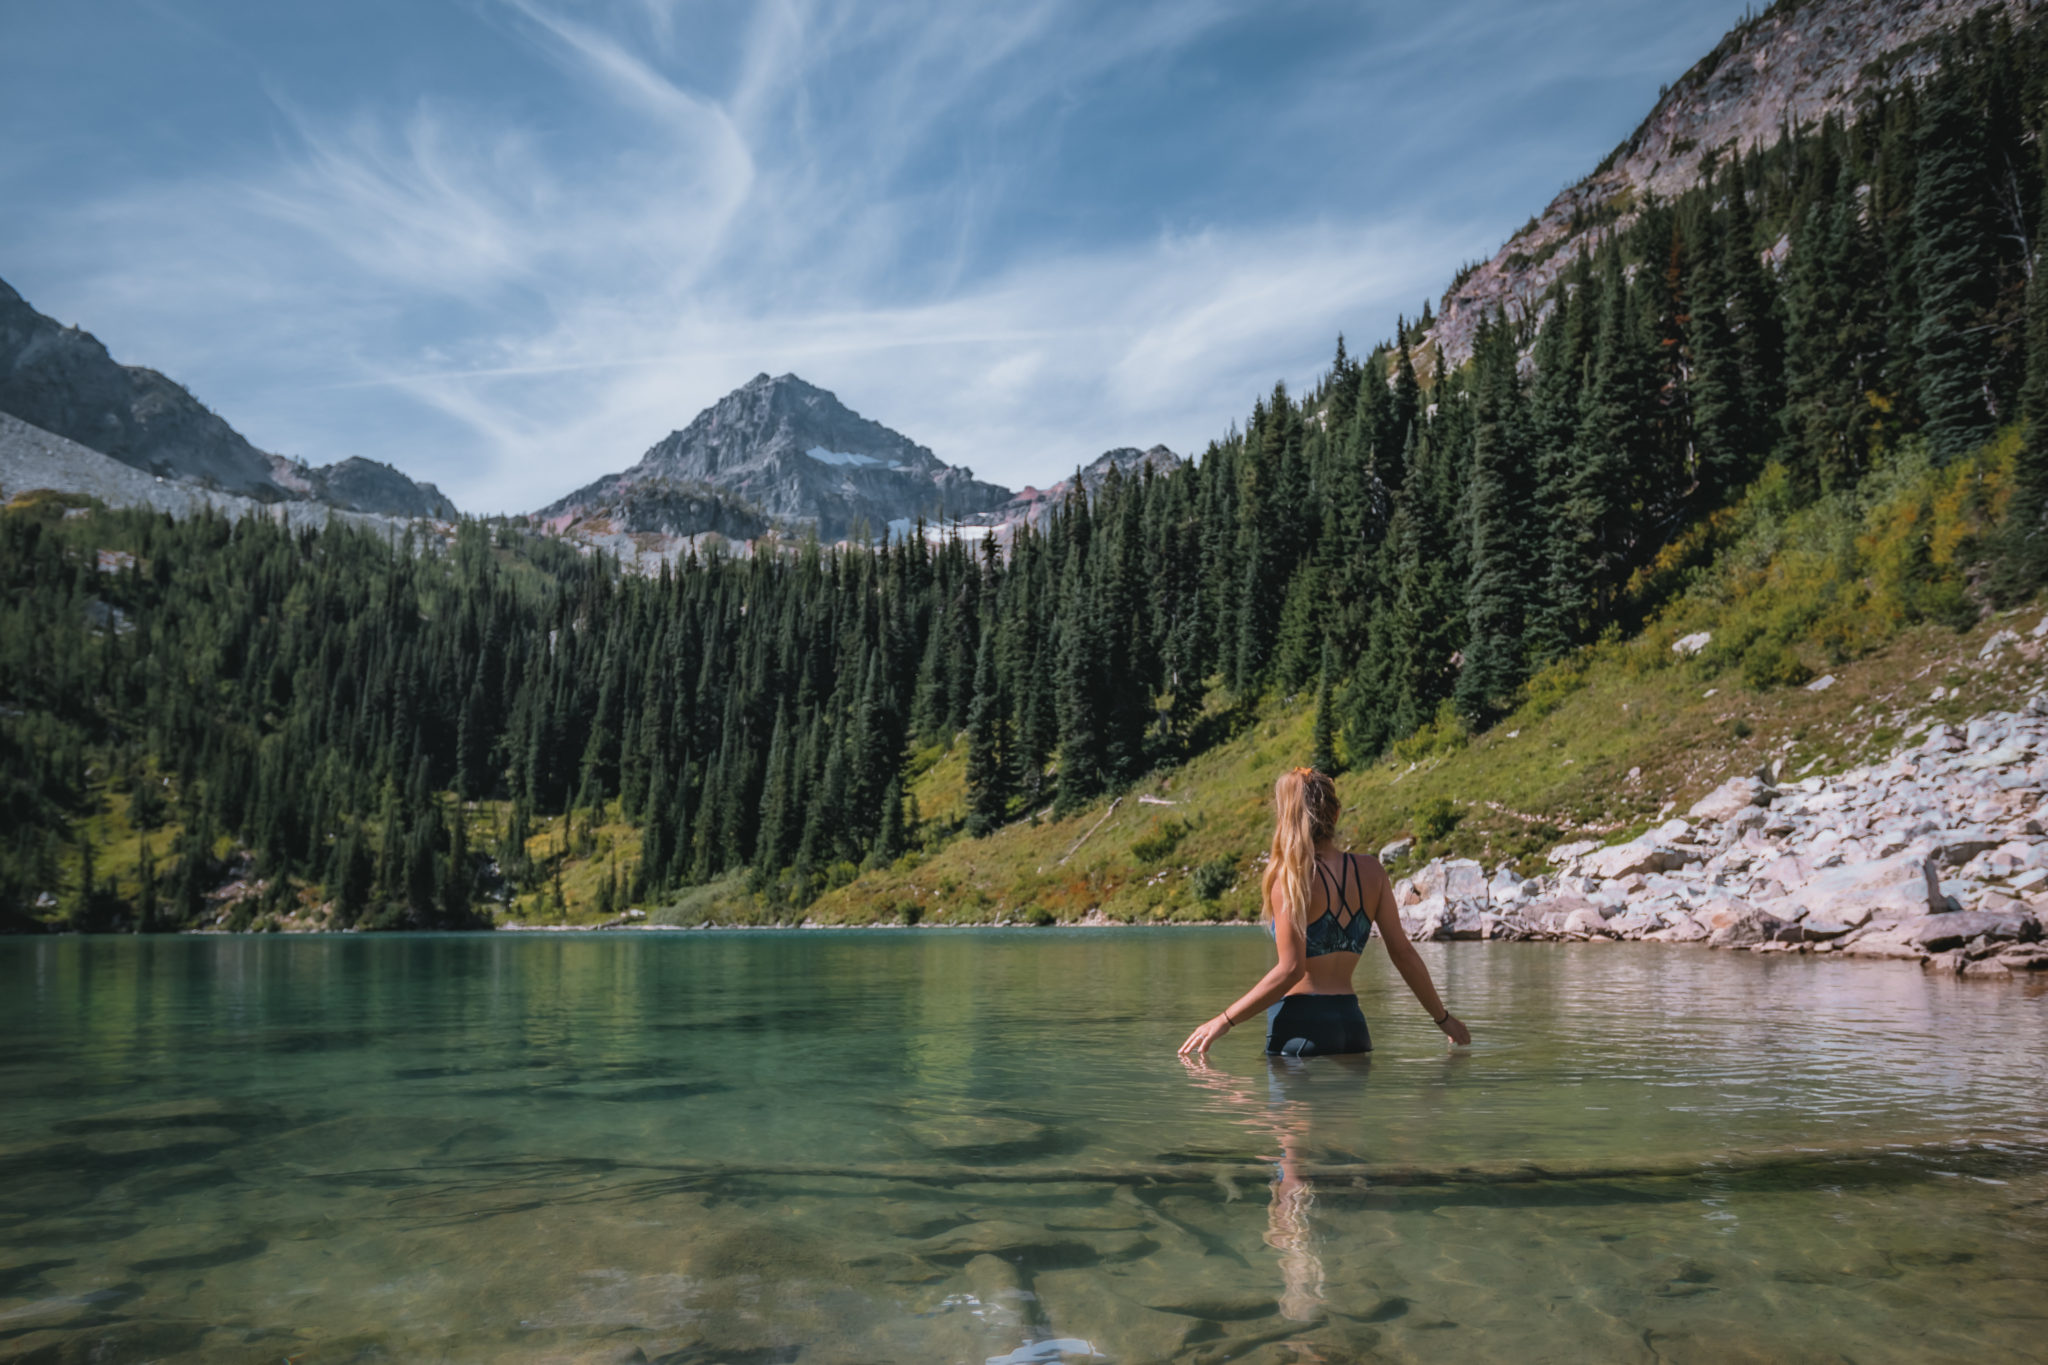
(1327, 934)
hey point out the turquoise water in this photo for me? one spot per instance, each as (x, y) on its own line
(978, 1145)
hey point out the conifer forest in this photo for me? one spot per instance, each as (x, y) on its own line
(1405, 542)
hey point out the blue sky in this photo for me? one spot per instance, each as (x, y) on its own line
(507, 245)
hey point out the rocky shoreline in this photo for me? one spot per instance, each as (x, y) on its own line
(1936, 855)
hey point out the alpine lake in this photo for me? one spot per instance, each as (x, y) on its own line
(979, 1146)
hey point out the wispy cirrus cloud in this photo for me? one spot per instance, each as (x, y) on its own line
(1019, 234)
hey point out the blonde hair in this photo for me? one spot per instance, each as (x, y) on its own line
(1305, 808)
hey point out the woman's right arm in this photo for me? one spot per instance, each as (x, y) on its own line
(1401, 952)
(1292, 966)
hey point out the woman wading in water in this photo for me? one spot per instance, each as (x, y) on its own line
(1321, 905)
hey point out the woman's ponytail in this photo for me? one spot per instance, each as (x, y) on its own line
(1305, 809)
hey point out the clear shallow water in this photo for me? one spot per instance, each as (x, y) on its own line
(961, 1146)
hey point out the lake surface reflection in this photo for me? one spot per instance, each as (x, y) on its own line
(978, 1145)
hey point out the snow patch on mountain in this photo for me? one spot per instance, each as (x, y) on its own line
(849, 457)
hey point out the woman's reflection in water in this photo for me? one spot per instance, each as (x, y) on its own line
(1284, 1118)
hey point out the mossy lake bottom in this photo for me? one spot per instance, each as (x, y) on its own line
(979, 1145)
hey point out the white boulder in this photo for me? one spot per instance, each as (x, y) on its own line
(1636, 856)
(1729, 799)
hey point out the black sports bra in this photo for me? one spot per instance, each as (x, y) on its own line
(1329, 934)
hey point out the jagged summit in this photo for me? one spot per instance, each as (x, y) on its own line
(785, 451)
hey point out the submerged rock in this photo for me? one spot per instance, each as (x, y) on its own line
(1024, 1244)
(1089, 1306)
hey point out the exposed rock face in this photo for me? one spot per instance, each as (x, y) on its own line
(666, 509)
(785, 451)
(1793, 62)
(32, 459)
(62, 380)
(360, 485)
(1937, 855)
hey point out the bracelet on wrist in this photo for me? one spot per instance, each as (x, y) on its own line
(1446, 1016)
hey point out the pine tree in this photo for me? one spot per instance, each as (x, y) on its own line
(1324, 759)
(1833, 353)
(355, 885)
(892, 836)
(2023, 561)
(457, 881)
(988, 769)
(1079, 702)
(780, 825)
(1561, 356)
(1497, 503)
(1754, 324)
(145, 898)
(1720, 423)
(1601, 499)
(1955, 265)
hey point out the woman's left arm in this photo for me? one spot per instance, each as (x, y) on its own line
(1292, 966)
(1401, 952)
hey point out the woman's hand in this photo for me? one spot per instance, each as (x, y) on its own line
(1198, 1041)
(1455, 1030)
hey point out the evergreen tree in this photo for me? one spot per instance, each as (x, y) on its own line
(1721, 429)
(1497, 499)
(892, 837)
(1599, 505)
(1835, 337)
(988, 793)
(2023, 563)
(1956, 266)
(1755, 324)
(1324, 759)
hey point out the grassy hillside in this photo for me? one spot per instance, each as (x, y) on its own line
(1873, 589)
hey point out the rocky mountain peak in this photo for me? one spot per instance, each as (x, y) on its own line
(767, 421)
(788, 452)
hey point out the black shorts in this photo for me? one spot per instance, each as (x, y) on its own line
(1316, 1025)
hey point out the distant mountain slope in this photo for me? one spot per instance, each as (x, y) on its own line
(1035, 505)
(360, 485)
(32, 459)
(785, 451)
(1795, 63)
(62, 380)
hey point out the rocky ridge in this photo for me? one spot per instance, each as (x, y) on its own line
(779, 451)
(62, 381)
(1034, 506)
(1796, 62)
(360, 485)
(1938, 855)
(32, 459)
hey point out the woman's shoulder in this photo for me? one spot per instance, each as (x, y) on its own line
(1370, 870)
(1366, 863)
